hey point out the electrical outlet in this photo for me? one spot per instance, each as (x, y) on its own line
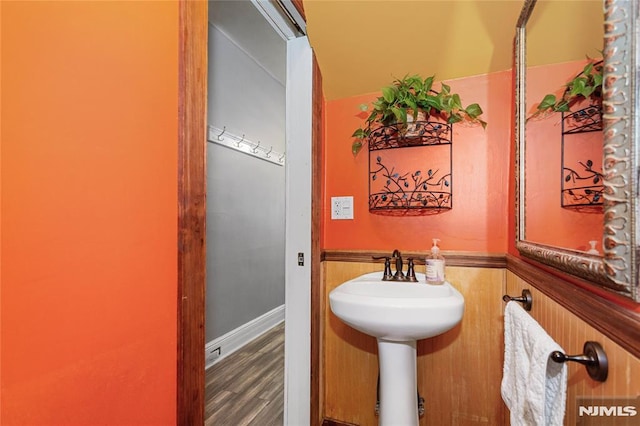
(342, 208)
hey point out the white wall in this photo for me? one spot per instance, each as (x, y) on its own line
(245, 195)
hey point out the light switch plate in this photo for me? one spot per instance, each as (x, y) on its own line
(341, 208)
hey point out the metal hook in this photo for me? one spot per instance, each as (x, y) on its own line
(593, 358)
(224, 129)
(255, 148)
(240, 141)
(281, 158)
(525, 299)
(268, 154)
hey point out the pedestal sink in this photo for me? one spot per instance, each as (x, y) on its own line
(397, 314)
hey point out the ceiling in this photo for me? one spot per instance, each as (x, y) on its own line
(362, 45)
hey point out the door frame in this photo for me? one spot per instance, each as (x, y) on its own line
(192, 124)
(192, 113)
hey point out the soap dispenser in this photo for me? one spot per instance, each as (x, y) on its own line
(435, 265)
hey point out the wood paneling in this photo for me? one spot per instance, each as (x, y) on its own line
(459, 372)
(451, 367)
(458, 258)
(350, 364)
(571, 332)
(316, 231)
(192, 101)
(329, 422)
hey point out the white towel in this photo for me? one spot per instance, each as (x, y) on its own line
(533, 386)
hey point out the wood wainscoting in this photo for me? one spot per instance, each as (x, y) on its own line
(459, 372)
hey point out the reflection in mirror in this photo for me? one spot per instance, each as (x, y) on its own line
(548, 161)
(553, 59)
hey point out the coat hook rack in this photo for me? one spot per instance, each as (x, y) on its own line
(593, 358)
(241, 144)
(525, 299)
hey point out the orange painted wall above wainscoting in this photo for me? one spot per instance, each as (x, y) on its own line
(89, 213)
(481, 171)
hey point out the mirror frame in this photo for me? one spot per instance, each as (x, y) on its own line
(617, 270)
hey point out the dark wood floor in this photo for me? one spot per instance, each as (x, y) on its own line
(247, 387)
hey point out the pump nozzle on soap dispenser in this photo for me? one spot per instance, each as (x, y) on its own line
(435, 265)
(593, 249)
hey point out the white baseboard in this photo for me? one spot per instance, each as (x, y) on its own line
(223, 346)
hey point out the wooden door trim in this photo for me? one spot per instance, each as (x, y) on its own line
(192, 110)
(316, 218)
(192, 104)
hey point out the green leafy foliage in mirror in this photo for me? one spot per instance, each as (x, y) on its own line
(586, 85)
(405, 99)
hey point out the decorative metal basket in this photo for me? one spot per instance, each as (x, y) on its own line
(410, 169)
(582, 183)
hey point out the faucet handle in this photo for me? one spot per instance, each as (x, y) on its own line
(411, 273)
(387, 275)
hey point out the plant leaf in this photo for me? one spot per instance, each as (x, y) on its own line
(597, 80)
(388, 93)
(400, 114)
(413, 106)
(456, 102)
(356, 147)
(454, 118)
(428, 83)
(473, 111)
(547, 102)
(578, 86)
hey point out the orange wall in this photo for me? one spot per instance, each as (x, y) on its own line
(89, 208)
(481, 167)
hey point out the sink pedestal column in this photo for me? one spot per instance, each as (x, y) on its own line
(398, 383)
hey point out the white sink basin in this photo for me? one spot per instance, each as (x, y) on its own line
(397, 311)
(397, 314)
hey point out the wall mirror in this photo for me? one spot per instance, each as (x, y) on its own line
(596, 240)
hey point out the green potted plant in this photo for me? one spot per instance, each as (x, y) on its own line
(586, 85)
(413, 99)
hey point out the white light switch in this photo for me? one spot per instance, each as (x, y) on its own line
(341, 207)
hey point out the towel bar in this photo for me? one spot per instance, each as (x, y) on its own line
(594, 359)
(525, 299)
